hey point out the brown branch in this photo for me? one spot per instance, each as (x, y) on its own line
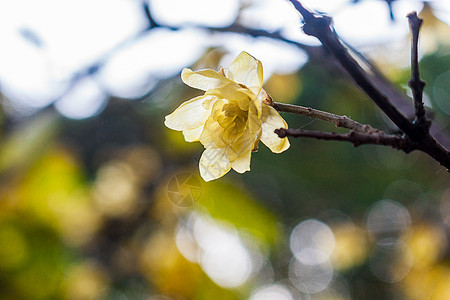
(337, 120)
(320, 27)
(420, 139)
(256, 33)
(415, 83)
(354, 137)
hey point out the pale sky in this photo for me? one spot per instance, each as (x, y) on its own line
(46, 42)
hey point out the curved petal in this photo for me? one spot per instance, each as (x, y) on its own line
(239, 153)
(254, 121)
(247, 70)
(242, 163)
(272, 120)
(193, 135)
(189, 115)
(204, 79)
(211, 134)
(214, 163)
(233, 92)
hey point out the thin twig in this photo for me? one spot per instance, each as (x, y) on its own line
(337, 120)
(356, 138)
(148, 13)
(276, 35)
(320, 27)
(415, 83)
(420, 139)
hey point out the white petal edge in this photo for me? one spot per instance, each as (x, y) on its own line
(193, 135)
(239, 153)
(247, 70)
(203, 79)
(189, 115)
(214, 163)
(242, 163)
(272, 120)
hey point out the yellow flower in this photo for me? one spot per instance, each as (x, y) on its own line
(230, 118)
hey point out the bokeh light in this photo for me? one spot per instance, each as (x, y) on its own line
(86, 281)
(310, 279)
(272, 292)
(351, 248)
(312, 242)
(96, 196)
(15, 250)
(391, 263)
(223, 255)
(387, 219)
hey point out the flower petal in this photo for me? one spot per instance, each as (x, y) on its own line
(272, 120)
(193, 135)
(242, 163)
(254, 121)
(239, 153)
(189, 115)
(211, 134)
(233, 92)
(247, 70)
(214, 163)
(204, 79)
(215, 136)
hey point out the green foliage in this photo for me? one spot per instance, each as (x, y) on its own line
(85, 211)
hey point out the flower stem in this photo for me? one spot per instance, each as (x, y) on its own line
(337, 120)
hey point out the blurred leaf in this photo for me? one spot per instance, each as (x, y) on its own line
(434, 32)
(284, 87)
(224, 201)
(173, 275)
(33, 259)
(53, 191)
(26, 142)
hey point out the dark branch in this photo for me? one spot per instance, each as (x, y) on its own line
(337, 120)
(320, 27)
(356, 138)
(237, 28)
(151, 21)
(415, 83)
(417, 133)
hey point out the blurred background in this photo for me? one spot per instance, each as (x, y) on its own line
(99, 200)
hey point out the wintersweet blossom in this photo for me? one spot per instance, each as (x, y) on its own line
(230, 119)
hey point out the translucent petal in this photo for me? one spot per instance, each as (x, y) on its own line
(214, 163)
(258, 104)
(223, 113)
(211, 137)
(204, 79)
(193, 135)
(189, 115)
(234, 92)
(272, 120)
(242, 163)
(256, 143)
(239, 153)
(247, 70)
(254, 121)
(207, 104)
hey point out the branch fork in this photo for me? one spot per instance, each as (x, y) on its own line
(416, 133)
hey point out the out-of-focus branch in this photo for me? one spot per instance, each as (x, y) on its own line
(234, 28)
(148, 13)
(418, 135)
(338, 121)
(237, 28)
(320, 27)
